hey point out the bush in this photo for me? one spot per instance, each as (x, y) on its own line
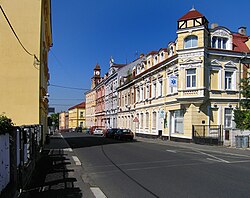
(242, 118)
(6, 124)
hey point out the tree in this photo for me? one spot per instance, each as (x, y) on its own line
(6, 124)
(55, 119)
(242, 114)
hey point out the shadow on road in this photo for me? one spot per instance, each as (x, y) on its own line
(89, 141)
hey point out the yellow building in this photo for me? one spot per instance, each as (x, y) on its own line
(189, 90)
(63, 120)
(91, 96)
(24, 68)
(77, 117)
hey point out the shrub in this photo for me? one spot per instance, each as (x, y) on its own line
(6, 124)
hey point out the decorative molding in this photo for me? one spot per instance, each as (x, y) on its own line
(191, 55)
(220, 33)
(215, 62)
(230, 64)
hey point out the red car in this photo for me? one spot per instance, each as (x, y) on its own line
(124, 134)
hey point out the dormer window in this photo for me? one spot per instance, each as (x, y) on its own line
(219, 42)
(155, 60)
(190, 42)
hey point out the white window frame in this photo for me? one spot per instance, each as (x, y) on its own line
(160, 87)
(233, 79)
(193, 39)
(154, 119)
(154, 89)
(228, 115)
(219, 42)
(190, 76)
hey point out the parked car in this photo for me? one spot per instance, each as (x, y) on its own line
(124, 134)
(110, 132)
(98, 131)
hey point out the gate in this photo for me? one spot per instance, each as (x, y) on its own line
(207, 134)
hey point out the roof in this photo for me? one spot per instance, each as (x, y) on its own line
(97, 66)
(239, 44)
(152, 53)
(192, 14)
(118, 65)
(78, 106)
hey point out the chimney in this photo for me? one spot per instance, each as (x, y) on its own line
(141, 55)
(242, 30)
(214, 25)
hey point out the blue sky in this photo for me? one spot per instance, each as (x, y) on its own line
(90, 31)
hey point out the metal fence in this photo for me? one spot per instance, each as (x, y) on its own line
(19, 151)
(207, 134)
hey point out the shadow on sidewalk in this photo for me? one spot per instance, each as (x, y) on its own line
(51, 177)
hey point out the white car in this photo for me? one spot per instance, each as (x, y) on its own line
(98, 131)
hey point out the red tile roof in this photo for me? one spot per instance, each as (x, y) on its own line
(239, 44)
(78, 106)
(192, 14)
(152, 53)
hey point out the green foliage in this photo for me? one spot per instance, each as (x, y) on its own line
(6, 124)
(242, 117)
(55, 119)
(245, 91)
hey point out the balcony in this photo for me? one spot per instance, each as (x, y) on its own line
(194, 95)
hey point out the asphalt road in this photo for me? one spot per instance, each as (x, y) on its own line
(140, 169)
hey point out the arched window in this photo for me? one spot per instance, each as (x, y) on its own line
(190, 41)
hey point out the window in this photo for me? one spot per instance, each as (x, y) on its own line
(81, 114)
(138, 95)
(141, 121)
(155, 60)
(154, 89)
(154, 120)
(219, 42)
(191, 78)
(147, 91)
(141, 94)
(147, 120)
(228, 80)
(191, 41)
(160, 88)
(228, 118)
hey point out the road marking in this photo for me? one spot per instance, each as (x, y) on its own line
(242, 161)
(171, 151)
(68, 149)
(97, 192)
(212, 159)
(209, 155)
(77, 161)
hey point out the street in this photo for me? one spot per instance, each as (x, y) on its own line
(142, 169)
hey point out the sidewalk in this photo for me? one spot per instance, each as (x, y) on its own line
(56, 174)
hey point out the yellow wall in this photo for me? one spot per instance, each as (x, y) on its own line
(20, 81)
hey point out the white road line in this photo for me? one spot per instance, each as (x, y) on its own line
(68, 149)
(171, 151)
(77, 161)
(209, 155)
(212, 159)
(97, 192)
(242, 161)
